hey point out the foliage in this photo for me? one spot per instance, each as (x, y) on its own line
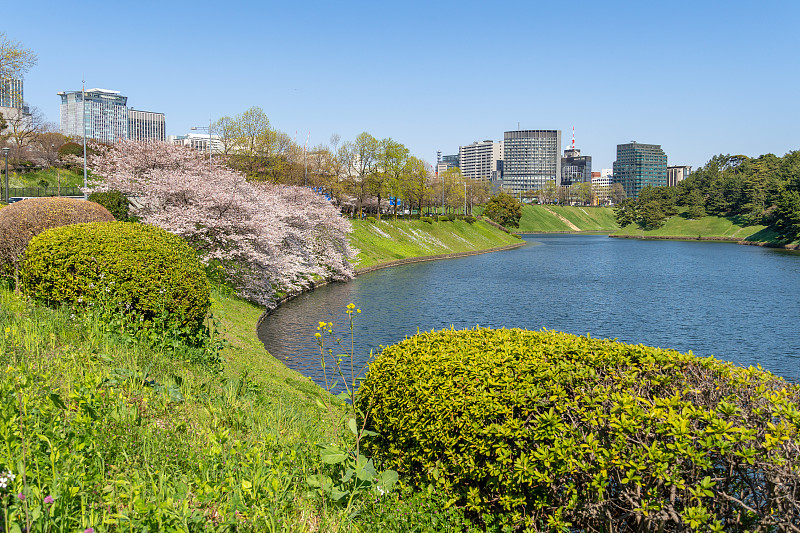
(21, 221)
(15, 60)
(116, 203)
(355, 477)
(140, 271)
(544, 430)
(469, 219)
(371, 220)
(651, 215)
(429, 220)
(503, 209)
(443, 218)
(71, 149)
(787, 215)
(264, 237)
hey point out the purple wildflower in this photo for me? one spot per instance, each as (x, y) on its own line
(48, 499)
(88, 530)
(21, 496)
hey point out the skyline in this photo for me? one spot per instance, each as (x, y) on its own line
(698, 78)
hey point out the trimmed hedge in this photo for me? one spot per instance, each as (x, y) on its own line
(545, 430)
(428, 220)
(21, 221)
(143, 271)
(116, 203)
(443, 218)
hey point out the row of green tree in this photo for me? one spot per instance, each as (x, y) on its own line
(763, 190)
(365, 174)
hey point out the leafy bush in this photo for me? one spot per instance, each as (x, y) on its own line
(143, 271)
(429, 220)
(21, 221)
(469, 219)
(546, 430)
(503, 209)
(443, 218)
(371, 220)
(451, 217)
(116, 203)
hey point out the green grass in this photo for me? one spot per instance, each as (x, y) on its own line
(545, 219)
(50, 175)
(708, 227)
(387, 240)
(125, 434)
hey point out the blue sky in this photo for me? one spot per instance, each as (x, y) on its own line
(699, 78)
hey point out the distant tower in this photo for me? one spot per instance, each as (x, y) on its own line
(575, 168)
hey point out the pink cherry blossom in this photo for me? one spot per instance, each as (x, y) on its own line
(265, 237)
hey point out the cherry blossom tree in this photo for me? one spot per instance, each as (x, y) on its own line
(267, 238)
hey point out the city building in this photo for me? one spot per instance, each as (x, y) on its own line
(103, 116)
(575, 168)
(198, 141)
(11, 94)
(447, 161)
(531, 158)
(146, 125)
(639, 165)
(601, 185)
(481, 160)
(677, 174)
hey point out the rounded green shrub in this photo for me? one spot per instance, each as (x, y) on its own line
(469, 219)
(429, 220)
(550, 431)
(116, 203)
(21, 221)
(371, 220)
(143, 271)
(443, 218)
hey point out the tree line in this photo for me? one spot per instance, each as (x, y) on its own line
(366, 174)
(762, 190)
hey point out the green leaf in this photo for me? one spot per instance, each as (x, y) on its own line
(332, 455)
(353, 427)
(57, 401)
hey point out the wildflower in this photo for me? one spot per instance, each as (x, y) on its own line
(48, 499)
(88, 530)
(21, 496)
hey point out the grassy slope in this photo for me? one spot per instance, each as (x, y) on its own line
(50, 175)
(543, 219)
(710, 227)
(385, 241)
(259, 420)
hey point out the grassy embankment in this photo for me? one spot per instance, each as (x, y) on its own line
(171, 445)
(555, 218)
(389, 240)
(732, 229)
(48, 177)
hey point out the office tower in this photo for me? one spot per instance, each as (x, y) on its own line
(103, 115)
(639, 165)
(479, 160)
(146, 125)
(531, 158)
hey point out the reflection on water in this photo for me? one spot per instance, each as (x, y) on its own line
(739, 303)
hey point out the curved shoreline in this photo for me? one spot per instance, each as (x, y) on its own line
(397, 262)
(733, 240)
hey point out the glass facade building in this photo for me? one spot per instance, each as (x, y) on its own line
(11, 93)
(103, 116)
(531, 158)
(575, 168)
(639, 165)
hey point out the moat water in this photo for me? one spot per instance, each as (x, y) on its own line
(737, 303)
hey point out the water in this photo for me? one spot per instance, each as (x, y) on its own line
(738, 303)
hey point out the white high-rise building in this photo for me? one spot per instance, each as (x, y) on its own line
(481, 160)
(103, 116)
